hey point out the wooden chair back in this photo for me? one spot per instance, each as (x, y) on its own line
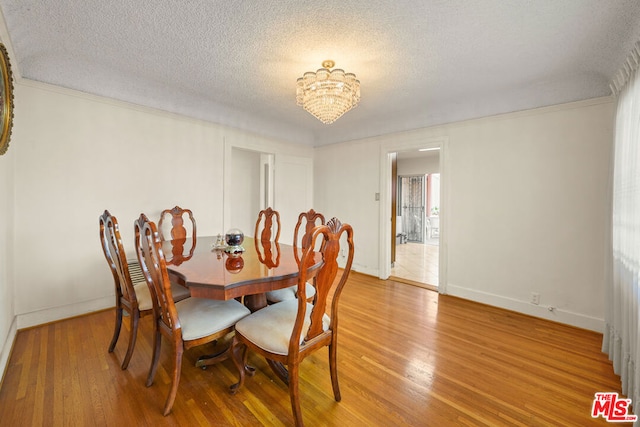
(268, 225)
(178, 233)
(125, 277)
(178, 229)
(154, 266)
(329, 236)
(116, 258)
(307, 221)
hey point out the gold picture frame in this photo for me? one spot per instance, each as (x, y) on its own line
(6, 99)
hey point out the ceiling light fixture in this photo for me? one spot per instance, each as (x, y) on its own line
(328, 94)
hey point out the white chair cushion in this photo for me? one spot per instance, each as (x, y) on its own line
(270, 328)
(200, 317)
(289, 293)
(143, 295)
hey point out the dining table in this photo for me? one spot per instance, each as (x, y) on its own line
(209, 271)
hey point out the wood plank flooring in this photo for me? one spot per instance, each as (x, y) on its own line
(417, 263)
(407, 357)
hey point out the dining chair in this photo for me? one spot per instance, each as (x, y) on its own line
(301, 236)
(132, 292)
(289, 331)
(132, 295)
(186, 324)
(177, 233)
(267, 225)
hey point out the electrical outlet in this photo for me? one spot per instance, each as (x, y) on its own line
(535, 298)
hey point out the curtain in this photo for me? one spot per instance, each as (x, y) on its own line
(622, 316)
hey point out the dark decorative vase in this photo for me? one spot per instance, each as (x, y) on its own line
(234, 239)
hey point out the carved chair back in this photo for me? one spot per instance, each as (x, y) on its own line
(178, 233)
(116, 258)
(329, 237)
(130, 296)
(178, 229)
(307, 221)
(154, 266)
(268, 225)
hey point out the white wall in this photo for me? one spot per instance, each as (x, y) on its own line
(346, 180)
(8, 322)
(527, 206)
(77, 155)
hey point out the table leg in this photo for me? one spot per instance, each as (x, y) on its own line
(210, 359)
(280, 370)
(255, 302)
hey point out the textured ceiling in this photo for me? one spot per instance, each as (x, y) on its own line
(236, 62)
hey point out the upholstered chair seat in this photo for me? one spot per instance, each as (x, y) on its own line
(200, 317)
(145, 302)
(289, 293)
(271, 327)
(144, 297)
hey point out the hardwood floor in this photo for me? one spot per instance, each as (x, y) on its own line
(417, 263)
(407, 357)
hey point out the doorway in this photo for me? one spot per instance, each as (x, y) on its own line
(416, 246)
(257, 183)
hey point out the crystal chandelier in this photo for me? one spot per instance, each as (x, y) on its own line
(328, 94)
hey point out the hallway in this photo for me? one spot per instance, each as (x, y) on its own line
(417, 263)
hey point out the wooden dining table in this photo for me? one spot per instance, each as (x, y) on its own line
(210, 272)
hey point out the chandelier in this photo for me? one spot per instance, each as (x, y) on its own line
(328, 94)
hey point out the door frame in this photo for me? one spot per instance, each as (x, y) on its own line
(266, 177)
(407, 143)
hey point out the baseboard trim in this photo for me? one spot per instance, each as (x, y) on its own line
(7, 348)
(48, 315)
(364, 270)
(542, 311)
